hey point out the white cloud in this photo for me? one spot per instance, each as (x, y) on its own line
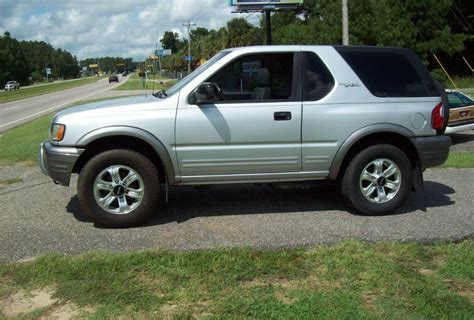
(126, 28)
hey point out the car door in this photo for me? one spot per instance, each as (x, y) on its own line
(253, 130)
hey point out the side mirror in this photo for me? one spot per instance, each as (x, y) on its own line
(204, 93)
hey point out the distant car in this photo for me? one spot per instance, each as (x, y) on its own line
(12, 85)
(113, 78)
(125, 74)
(461, 112)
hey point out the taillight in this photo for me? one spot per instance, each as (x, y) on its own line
(437, 117)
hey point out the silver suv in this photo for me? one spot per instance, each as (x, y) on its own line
(12, 85)
(369, 118)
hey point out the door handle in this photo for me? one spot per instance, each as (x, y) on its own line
(282, 116)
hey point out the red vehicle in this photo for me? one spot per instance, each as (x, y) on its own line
(113, 78)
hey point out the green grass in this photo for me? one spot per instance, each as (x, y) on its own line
(27, 92)
(135, 76)
(351, 280)
(461, 82)
(21, 144)
(459, 160)
(10, 181)
(132, 84)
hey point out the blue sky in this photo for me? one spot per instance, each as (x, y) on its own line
(90, 28)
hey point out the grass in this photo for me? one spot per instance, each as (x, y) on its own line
(461, 82)
(132, 84)
(10, 181)
(351, 280)
(29, 92)
(21, 144)
(459, 160)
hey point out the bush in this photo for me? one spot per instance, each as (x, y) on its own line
(440, 76)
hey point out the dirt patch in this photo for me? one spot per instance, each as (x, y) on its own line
(169, 310)
(426, 271)
(283, 298)
(25, 302)
(67, 311)
(463, 289)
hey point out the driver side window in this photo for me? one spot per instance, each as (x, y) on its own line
(259, 77)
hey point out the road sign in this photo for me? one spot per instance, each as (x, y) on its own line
(94, 65)
(48, 71)
(163, 52)
(188, 58)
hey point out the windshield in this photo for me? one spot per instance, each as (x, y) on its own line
(180, 84)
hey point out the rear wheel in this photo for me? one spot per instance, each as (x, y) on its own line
(377, 180)
(119, 188)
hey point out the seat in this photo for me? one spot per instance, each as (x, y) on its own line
(263, 90)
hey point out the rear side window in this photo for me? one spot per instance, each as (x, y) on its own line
(388, 73)
(318, 81)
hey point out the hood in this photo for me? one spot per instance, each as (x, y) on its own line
(106, 105)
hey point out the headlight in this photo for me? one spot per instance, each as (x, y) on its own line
(57, 131)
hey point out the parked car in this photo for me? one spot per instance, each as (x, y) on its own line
(12, 85)
(113, 78)
(370, 118)
(461, 112)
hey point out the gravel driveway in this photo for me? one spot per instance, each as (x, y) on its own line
(37, 216)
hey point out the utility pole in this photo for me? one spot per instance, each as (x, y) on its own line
(268, 26)
(345, 23)
(189, 25)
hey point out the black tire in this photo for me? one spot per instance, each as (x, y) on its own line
(351, 185)
(119, 157)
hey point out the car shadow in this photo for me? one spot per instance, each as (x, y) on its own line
(186, 203)
(460, 138)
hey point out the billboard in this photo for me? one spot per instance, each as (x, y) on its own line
(265, 2)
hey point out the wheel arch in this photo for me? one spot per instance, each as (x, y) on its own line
(370, 135)
(126, 137)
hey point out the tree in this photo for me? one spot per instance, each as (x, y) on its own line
(170, 40)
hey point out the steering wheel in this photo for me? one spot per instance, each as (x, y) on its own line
(220, 94)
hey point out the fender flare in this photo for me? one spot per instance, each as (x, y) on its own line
(135, 132)
(360, 134)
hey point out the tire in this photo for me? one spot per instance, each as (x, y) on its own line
(381, 157)
(128, 202)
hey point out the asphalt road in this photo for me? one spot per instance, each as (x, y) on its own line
(15, 113)
(37, 217)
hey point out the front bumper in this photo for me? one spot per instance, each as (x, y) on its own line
(432, 151)
(58, 162)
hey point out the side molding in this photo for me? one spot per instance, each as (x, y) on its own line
(359, 134)
(135, 132)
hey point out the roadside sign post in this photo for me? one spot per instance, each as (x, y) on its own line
(48, 73)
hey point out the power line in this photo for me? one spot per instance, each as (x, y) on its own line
(464, 21)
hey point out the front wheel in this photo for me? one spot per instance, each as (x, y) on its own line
(377, 180)
(119, 188)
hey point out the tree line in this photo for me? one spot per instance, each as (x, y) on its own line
(108, 64)
(26, 61)
(429, 27)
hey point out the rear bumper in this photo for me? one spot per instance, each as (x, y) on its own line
(433, 151)
(58, 162)
(460, 128)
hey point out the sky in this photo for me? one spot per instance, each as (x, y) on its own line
(96, 28)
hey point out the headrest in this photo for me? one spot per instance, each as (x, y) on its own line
(263, 78)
